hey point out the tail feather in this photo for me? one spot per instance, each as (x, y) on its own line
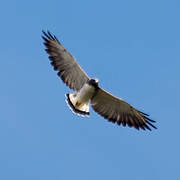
(81, 109)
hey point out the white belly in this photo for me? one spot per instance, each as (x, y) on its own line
(79, 101)
(85, 93)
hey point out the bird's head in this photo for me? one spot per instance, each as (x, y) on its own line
(93, 82)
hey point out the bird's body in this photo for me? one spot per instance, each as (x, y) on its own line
(87, 90)
(79, 101)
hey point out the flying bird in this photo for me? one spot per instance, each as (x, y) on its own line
(87, 90)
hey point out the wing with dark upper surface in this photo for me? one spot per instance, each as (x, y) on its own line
(117, 110)
(69, 70)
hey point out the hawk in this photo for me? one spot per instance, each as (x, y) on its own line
(87, 90)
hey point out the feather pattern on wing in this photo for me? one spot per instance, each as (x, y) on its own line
(118, 111)
(63, 62)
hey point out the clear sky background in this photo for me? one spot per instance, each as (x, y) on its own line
(133, 47)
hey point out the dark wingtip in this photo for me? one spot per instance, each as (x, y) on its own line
(143, 113)
(45, 34)
(151, 124)
(148, 121)
(43, 31)
(48, 36)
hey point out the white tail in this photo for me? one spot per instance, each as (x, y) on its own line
(77, 107)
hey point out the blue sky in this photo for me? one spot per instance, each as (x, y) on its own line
(133, 47)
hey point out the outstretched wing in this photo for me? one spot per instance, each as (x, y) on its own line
(117, 110)
(63, 62)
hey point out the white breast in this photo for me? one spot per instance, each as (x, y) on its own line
(79, 101)
(85, 93)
